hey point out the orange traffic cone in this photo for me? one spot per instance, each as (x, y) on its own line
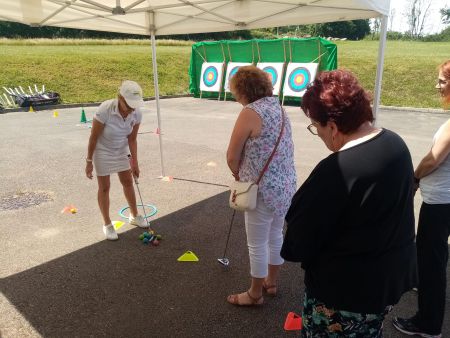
(293, 322)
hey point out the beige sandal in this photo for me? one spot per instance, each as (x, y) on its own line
(234, 299)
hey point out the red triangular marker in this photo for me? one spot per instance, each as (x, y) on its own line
(293, 322)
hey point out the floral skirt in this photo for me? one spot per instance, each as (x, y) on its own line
(320, 321)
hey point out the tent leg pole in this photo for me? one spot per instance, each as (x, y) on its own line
(158, 111)
(380, 63)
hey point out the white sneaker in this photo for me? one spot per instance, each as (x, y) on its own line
(138, 221)
(110, 232)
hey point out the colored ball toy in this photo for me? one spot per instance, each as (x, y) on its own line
(150, 237)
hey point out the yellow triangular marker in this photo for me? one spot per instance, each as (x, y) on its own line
(117, 224)
(188, 256)
(31, 109)
(55, 113)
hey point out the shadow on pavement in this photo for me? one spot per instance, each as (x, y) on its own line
(127, 289)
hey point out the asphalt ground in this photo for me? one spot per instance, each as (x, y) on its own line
(61, 278)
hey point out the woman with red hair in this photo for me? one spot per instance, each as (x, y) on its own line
(433, 176)
(351, 223)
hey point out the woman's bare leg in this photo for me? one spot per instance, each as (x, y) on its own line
(104, 185)
(126, 179)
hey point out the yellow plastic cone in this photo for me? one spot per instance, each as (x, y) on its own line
(55, 113)
(31, 110)
(188, 256)
(117, 224)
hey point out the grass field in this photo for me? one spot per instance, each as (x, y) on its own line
(410, 69)
(90, 71)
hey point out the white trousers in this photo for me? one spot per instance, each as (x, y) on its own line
(264, 239)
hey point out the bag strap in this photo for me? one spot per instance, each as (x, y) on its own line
(275, 148)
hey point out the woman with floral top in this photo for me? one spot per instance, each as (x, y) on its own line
(254, 137)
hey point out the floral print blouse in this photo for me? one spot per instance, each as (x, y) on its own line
(279, 182)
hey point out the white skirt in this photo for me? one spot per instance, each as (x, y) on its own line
(107, 163)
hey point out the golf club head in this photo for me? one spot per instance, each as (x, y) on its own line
(224, 261)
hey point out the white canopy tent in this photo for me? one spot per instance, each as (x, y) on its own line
(167, 17)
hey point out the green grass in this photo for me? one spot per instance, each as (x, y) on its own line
(92, 73)
(91, 70)
(410, 69)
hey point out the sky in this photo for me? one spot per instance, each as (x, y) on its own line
(432, 22)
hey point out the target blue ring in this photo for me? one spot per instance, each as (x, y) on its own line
(298, 87)
(233, 71)
(213, 71)
(273, 72)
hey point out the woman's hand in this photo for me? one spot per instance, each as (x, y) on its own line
(135, 168)
(89, 169)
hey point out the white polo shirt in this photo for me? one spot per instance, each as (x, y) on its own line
(114, 139)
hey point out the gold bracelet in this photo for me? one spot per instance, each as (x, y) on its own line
(88, 160)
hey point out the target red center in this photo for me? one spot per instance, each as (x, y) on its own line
(299, 79)
(210, 76)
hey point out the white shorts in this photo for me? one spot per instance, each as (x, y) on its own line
(106, 163)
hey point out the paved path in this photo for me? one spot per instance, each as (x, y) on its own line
(60, 278)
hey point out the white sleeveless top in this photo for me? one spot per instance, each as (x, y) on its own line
(435, 187)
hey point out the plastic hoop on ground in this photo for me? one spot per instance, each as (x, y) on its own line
(152, 208)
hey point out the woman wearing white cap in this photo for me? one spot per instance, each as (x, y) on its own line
(113, 137)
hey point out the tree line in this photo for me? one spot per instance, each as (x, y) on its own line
(352, 30)
(416, 14)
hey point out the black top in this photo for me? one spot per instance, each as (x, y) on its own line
(351, 224)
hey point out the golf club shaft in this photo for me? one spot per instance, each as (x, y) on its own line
(140, 196)
(139, 190)
(229, 233)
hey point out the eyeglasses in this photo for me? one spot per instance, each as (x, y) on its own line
(441, 82)
(312, 129)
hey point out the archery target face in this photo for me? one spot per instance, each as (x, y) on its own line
(275, 72)
(232, 68)
(298, 77)
(211, 76)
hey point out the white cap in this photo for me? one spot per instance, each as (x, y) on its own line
(132, 93)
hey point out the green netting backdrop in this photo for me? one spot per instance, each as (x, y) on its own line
(280, 50)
